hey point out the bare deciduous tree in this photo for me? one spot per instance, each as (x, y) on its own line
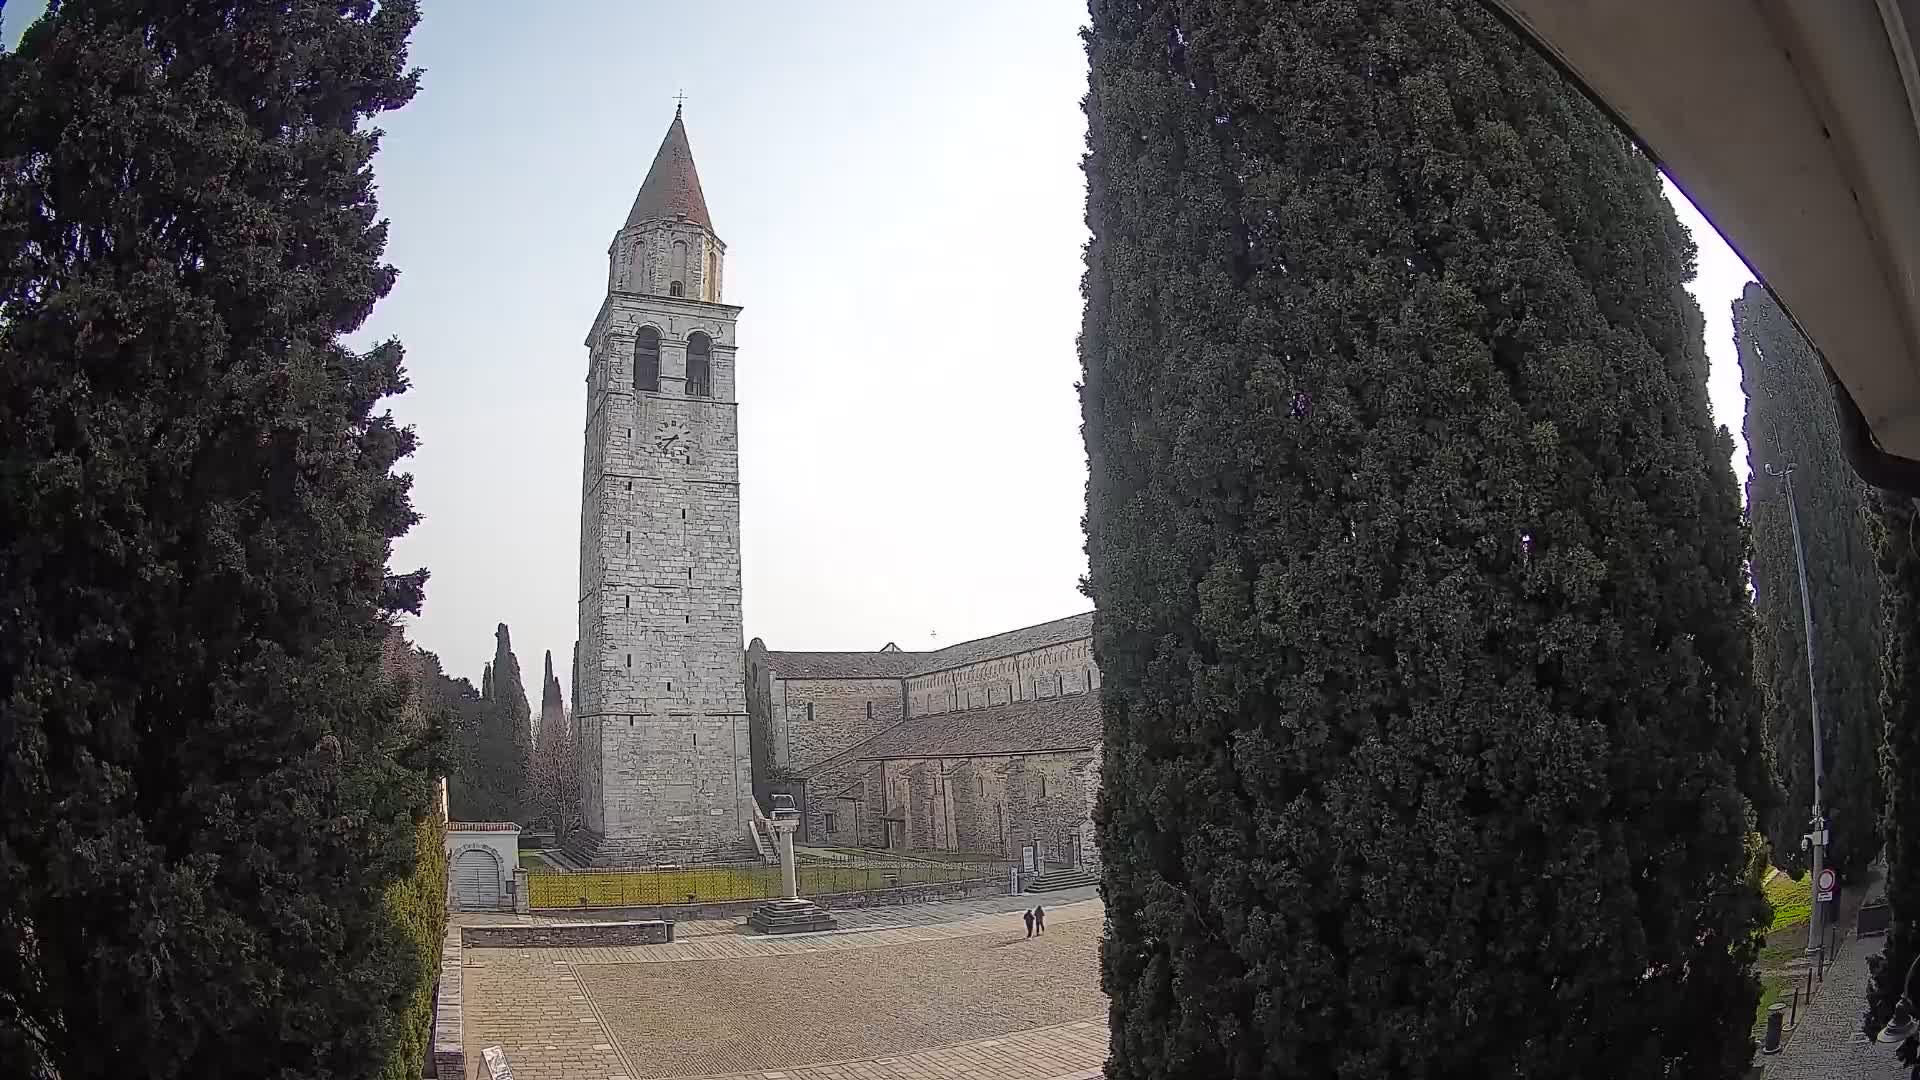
(553, 783)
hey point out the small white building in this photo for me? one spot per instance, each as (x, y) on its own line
(481, 859)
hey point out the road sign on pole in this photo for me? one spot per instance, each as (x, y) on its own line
(1824, 886)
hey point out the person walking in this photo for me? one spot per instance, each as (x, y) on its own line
(1029, 916)
(1039, 919)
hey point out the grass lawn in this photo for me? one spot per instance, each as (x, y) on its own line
(1792, 900)
(1774, 986)
(1786, 940)
(704, 884)
(531, 861)
(1784, 946)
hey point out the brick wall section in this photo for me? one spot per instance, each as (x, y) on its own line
(567, 935)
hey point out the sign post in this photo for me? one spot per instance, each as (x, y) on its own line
(1824, 887)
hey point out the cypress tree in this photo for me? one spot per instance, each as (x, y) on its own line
(466, 713)
(553, 709)
(1790, 420)
(208, 786)
(1431, 747)
(510, 742)
(1897, 544)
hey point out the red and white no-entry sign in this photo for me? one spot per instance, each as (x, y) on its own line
(1826, 883)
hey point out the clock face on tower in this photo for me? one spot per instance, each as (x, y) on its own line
(673, 440)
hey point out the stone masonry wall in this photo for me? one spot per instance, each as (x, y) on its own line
(989, 804)
(551, 935)
(1042, 673)
(813, 719)
(662, 700)
(640, 260)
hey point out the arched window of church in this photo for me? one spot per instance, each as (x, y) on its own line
(646, 360)
(713, 276)
(699, 366)
(677, 276)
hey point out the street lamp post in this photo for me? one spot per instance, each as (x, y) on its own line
(1816, 840)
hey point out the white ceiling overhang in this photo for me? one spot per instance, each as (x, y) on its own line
(1791, 124)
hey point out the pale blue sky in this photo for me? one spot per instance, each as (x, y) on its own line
(899, 188)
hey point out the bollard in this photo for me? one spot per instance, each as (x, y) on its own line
(1776, 1021)
(1793, 1019)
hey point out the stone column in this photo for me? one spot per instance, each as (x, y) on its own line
(790, 913)
(789, 877)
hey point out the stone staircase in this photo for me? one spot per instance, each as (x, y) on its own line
(564, 860)
(796, 916)
(762, 834)
(1055, 880)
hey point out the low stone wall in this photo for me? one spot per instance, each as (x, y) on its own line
(567, 935)
(449, 1027)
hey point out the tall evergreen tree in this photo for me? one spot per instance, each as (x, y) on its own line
(206, 786)
(553, 707)
(467, 713)
(512, 738)
(1897, 543)
(1790, 421)
(1430, 736)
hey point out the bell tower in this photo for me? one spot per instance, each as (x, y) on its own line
(662, 715)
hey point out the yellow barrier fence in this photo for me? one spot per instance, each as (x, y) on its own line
(712, 884)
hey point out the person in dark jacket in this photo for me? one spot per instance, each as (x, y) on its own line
(1029, 916)
(1039, 920)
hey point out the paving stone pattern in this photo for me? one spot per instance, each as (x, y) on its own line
(1072, 1051)
(534, 1009)
(1824, 1045)
(948, 998)
(773, 1012)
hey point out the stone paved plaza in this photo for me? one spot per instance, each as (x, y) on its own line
(906, 995)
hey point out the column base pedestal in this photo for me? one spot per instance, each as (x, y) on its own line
(790, 916)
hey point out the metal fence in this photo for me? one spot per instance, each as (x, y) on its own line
(754, 881)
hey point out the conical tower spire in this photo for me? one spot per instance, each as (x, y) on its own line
(672, 187)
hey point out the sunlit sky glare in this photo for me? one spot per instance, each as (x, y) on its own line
(899, 189)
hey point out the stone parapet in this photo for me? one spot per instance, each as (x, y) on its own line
(449, 1026)
(567, 935)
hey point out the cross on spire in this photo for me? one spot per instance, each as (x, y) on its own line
(679, 99)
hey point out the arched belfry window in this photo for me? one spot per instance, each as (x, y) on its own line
(646, 360)
(677, 276)
(699, 366)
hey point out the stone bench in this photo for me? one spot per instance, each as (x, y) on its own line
(567, 935)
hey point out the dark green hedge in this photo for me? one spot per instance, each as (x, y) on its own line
(418, 905)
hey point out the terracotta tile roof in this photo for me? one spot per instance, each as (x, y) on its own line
(1025, 639)
(892, 664)
(1071, 722)
(672, 187)
(841, 665)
